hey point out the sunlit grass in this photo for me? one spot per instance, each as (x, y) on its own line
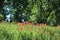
(14, 31)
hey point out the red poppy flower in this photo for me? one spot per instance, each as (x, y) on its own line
(17, 23)
(29, 23)
(22, 24)
(20, 28)
(37, 24)
(41, 24)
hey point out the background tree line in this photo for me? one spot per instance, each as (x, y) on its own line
(37, 11)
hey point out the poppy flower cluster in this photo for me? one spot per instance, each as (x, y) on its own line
(21, 24)
(41, 24)
(30, 23)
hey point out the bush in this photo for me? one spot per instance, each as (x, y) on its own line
(1, 17)
(51, 20)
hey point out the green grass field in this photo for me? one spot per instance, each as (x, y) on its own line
(13, 31)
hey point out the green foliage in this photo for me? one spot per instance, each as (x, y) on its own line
(39, 10)
(1, 17)
(9, 31)
(52, 18)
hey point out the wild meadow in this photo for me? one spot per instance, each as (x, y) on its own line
(42, 19)
(28, 31)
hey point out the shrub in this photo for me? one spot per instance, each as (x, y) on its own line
(51, 20)
(1, 17)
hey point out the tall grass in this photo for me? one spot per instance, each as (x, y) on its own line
(13, 31)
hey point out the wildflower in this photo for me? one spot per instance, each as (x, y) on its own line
(43, 25)
(28, 22)
(20, 28)
(37, 24)
(22, 24)
(17, 23)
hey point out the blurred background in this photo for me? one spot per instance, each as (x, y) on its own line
(36, 11)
